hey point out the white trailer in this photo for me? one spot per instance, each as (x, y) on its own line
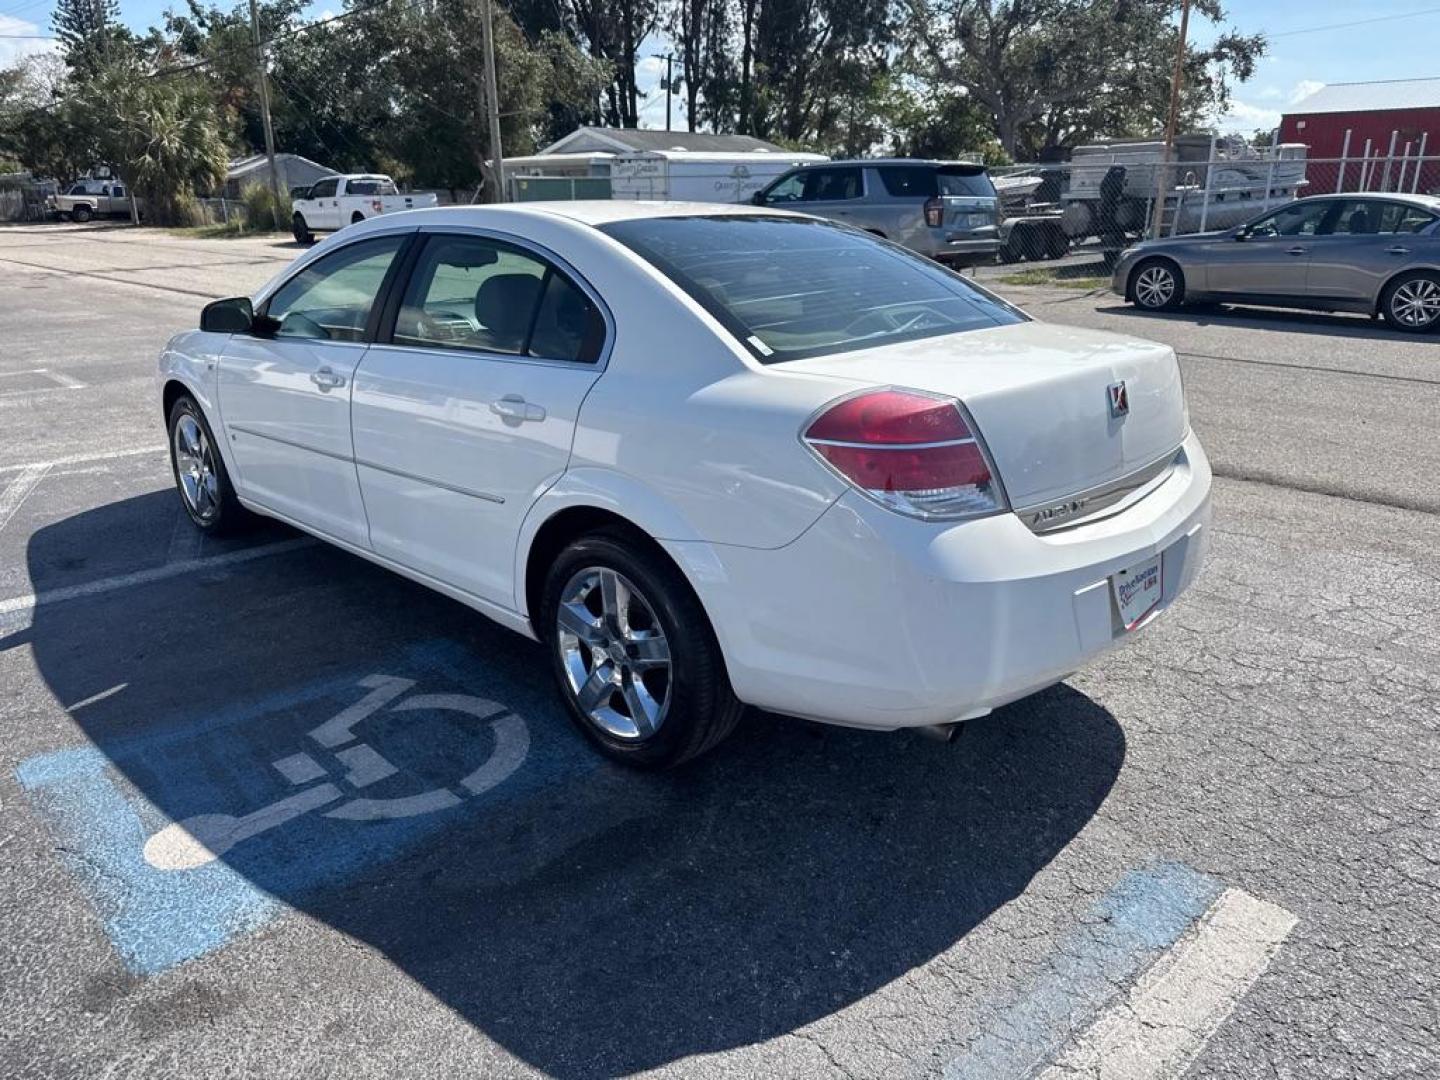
(698, 176)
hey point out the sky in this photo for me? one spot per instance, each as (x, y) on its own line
(1310, 45)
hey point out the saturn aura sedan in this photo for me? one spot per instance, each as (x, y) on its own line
(1372, 254)
(708, 456)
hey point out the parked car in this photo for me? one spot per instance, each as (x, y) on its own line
(1374, 254)
(337, 201)
(88, 199)
(707, 455)
(944, 209)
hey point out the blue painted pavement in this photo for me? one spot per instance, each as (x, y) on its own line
(102, 803)
(1142, 916)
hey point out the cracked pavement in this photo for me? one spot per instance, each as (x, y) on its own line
(805, 902)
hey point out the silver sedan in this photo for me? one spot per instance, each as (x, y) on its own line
(1374, 254)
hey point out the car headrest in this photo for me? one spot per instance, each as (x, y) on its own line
(1360, 222)
(504, 304)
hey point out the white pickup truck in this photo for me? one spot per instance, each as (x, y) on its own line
(337, 201)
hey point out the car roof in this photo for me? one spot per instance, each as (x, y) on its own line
(1425, 202)
(588, 211)
(917, 163)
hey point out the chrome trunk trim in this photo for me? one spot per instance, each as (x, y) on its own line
(1102, 501)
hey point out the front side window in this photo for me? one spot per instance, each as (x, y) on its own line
(1297, 219)
(332, 297)
(324, 189)
(787, 189)
(481, 294)
(794, 288)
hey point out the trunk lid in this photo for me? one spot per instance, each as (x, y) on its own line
(1040, 395)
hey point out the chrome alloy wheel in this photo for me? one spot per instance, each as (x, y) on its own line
(195, 468)
(614, 652)
(1416, 302)
(1154, 287)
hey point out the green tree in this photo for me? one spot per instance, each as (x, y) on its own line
(162, 136)
(1057, 72)
(90, 33)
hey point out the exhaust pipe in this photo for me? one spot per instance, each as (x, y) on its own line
(945, 733)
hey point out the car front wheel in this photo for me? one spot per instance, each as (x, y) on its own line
(633, 652)
(1157, 285)
(300, 230)
(1412, 303)
(200, 475)
(80, 214)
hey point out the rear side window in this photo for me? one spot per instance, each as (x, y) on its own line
(484, 295)
(907, 181)
(371, 186)
(1400, 218)
(965, 180)
(788, 289)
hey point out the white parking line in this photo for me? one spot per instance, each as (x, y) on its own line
(84, 459)
(1158, 1029)
(21, 608)
(69, 382)
(17, 490)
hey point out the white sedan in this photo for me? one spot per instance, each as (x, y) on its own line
(710, 457)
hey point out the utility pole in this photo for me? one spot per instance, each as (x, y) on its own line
(492, 103)
(1171, 119)
(265, 111)
(669, 83)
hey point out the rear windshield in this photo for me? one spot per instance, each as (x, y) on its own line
(960, 180)
(795, 287)
(370, 187)
(927, 181)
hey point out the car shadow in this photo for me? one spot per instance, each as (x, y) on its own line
(589, 919)
(1290, 320)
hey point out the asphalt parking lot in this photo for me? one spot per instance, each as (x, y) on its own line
(1213, 854)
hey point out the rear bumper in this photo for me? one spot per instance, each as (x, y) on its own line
(874, 620)
(969, 250)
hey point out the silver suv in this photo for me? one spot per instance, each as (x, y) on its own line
(947, 210)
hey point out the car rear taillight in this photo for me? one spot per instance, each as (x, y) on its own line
(914, 453)
(377, 206)
(935, 212)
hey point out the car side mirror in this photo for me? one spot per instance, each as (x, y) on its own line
(235, 315)
(1242, 233)
(758, 199)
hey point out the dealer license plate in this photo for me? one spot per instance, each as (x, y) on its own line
(1137, 591)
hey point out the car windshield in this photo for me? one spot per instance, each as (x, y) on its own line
(795, 287)
(370, 186)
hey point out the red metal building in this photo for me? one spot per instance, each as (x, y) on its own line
(1405, 110)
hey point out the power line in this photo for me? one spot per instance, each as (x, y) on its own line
(1357, 22)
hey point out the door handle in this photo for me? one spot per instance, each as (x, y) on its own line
(1296, 251)
(327, 379)
(1397, 250)
(515, 407)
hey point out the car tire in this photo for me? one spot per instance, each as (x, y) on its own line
(199, 471)
(356, 218)
(620, 593)
(301, 230)
(81, 214)
(1411, 303)
(1157, 285)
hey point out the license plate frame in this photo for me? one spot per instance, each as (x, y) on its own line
(1138, 590)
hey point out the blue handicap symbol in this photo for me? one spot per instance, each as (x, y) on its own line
(187, 836)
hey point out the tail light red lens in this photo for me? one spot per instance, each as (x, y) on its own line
(912, 452)
(935, 212)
